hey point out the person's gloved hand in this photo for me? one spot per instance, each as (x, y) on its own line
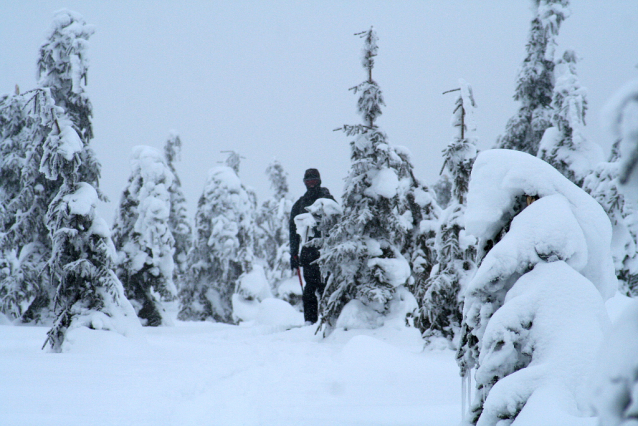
(294, 262)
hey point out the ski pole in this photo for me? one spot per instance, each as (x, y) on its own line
(299, 275)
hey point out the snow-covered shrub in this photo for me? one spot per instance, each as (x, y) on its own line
(223, 246)
(541, 261)
(143, 238)
(252, 289)
(361, 255)
(535, 82)
(88, 291)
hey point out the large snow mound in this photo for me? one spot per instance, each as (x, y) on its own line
(557, 319)
(500, 177)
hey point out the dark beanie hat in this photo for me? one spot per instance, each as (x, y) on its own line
(311, 174)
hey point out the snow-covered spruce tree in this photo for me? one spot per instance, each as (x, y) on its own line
(361, 257)
(602, 185)
(62, 70)
(535, 84)
(563, 145)
(272, 220)
(143, 238)
(440, 312)
(178, 222)
(223, 245)
(88, 293)
(534, 311)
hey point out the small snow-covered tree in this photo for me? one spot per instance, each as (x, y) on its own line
(143, 237)
(271, 222)
(88, 293)
(178, 221)
(361, 257)
(535, 84)
(223, 246)
(456, 252)
(563, 144)
(523, 328)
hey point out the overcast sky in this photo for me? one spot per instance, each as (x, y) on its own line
(270, 79)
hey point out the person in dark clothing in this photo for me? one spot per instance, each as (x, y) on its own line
(306, 259)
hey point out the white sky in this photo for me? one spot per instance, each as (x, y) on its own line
(270, 79)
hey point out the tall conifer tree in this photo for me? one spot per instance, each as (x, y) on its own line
(441, 312)
(535, 85)
(361, 257)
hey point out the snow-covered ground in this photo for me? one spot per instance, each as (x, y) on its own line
(215, 374)
(198, 373)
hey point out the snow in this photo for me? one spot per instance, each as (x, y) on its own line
(69, 142)
(499, 177)
(384, 183)
(82, 200)
(567, 320)
(203, 373)
(394, 271)
(615, 394)
(304, 222)
(257, 374)
(357, 315)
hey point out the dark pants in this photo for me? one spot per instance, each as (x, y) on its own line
(312, 292)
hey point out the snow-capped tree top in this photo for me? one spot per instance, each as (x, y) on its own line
(501, 177)
(278, 179)
(570, 96)
(233, 160)
(225, 177)
(151, 165)
(65, 52)
(173, 147)
(371, 97)
(463, 116)
(370, 48)
(551, 13)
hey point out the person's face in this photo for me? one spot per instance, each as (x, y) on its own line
(311, 183)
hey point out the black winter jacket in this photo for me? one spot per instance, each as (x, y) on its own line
(308, 254)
